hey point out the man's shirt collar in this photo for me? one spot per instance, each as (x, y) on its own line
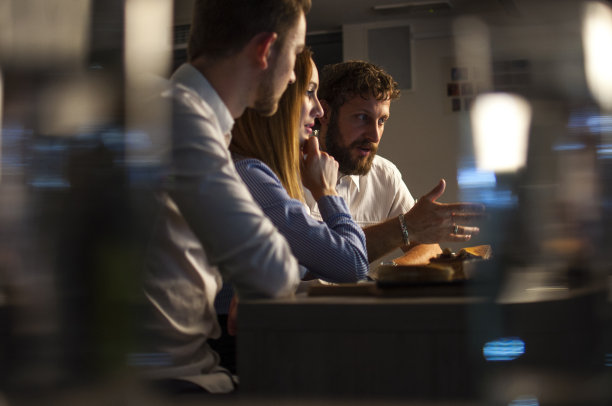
(189, 76)
(354, 179)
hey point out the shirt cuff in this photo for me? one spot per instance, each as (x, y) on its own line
(330, 206)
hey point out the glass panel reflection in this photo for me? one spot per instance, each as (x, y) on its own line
(504, 349)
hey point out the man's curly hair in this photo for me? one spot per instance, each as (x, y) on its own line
(345, 80)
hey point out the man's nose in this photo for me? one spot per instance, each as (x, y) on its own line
(374, 133)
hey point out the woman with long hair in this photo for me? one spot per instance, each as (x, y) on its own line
(275, 156)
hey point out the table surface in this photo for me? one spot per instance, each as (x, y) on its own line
(409, 347)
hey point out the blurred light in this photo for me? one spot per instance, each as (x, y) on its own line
(148, 57)
(500, 198)
(593, 120)
(113, 138)
(568, 147)
(136, 140)
(605, 151)
(148, 359)
(504, 349)
(49, 182)
(608, 361)
(75, 106)
(482, 186)
(525, 401)
(148, 37)
(472, 178)
(599, 123)
(472, 48)
(500, 124)
(545, 289)
(1, 115)
(597, 42)
(45, 33)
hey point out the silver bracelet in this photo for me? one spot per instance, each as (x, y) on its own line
(405, 235)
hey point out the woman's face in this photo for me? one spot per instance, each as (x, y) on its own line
(311, 108)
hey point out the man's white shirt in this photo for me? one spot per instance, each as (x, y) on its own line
(209, 228)
(377, 196)
(374, 197)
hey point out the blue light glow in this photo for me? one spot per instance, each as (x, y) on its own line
(472, 178)
(49, 182)
(148, 359)
(137, 140)
(593, 120)
(568, 147)
(608, 361)
(605, 151)
(504, 349)
(525, 401)
(599, 123)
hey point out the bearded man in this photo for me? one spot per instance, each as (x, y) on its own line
(356, 98)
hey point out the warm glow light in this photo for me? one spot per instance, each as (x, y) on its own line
(76, 106)
(148, 51)
(597, 43)
(50, 32)
(1, 112)
(472, 48)
(500, 126)
(148, 36)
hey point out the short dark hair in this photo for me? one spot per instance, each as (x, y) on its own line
(221, 28)
(345, 80)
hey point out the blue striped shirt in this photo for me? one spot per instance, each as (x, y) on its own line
(333, 249)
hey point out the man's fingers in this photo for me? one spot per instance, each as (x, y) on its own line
(459, 238)
(436, 192)
(464, 231)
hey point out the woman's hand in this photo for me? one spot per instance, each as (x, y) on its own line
(319, 170)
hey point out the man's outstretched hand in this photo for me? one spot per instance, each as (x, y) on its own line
(429, 221)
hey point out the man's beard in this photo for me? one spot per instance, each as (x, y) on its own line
(266, 103)
(347, 164)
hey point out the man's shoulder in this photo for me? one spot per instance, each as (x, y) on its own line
(184, 88)
(188, 106)
(184, 95)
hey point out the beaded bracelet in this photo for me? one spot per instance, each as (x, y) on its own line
(404, 228)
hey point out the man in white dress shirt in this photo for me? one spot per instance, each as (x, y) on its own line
(240, 54)
(356, 97)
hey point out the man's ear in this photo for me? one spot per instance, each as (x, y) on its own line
(262, 48)
(324, 119)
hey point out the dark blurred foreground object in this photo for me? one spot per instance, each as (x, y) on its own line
(70, 315)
